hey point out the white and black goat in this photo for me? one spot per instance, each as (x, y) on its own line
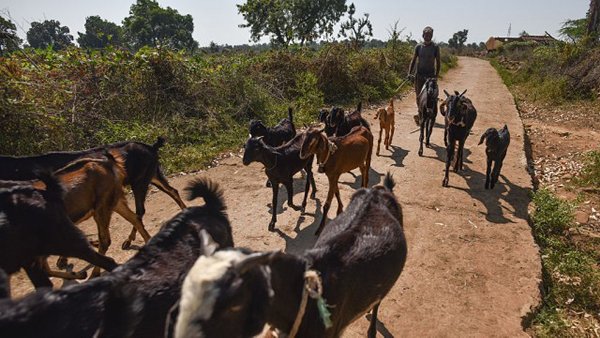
(153, 277)
(496, 145)
(358, 257)
(281, 163)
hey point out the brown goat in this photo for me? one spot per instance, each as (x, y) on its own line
(386, 122)
(337, 155)
(94, 188)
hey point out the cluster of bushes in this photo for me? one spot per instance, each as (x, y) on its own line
(74, 99)
(555, 73)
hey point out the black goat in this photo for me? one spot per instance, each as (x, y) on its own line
(156, 273)
(359, 258)
(277, 135)
(281, 164)
(428, 110)
(339, 123)
(141, 167)
(496, 145)
(35, 223)
(459, 119)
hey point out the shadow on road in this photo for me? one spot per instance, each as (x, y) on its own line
(380, 327)
(398, 154)
(305, 238)
(298, 186)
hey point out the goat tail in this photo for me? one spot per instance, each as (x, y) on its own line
(53, 185)
(160, 141)
(290, 116)
(208, 190)
(388, 182)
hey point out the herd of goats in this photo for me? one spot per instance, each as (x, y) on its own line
(189, 280)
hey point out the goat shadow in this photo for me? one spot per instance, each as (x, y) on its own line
(374, 179)
(398, 155)
(440, 154)
(516, 196)
(305, 238)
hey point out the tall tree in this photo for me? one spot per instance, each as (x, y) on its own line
(287, 22)
(458, 39)
(574, 29)
(593, 16)
(49, 33)
(357, 30)
(100, 33)
(9, 41)
(148, 24)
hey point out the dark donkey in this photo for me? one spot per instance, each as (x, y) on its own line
(428, 110)
(459, 118)
(141, 168)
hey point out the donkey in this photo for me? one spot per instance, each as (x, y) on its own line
(427, 110)
(459, 119)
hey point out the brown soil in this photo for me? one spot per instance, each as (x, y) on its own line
(473, 268)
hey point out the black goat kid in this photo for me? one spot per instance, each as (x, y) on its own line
(459, 119)
(355, 263)
(281, 164)
(428, 110)
(339, 123)
(496, 145)
(277, 135)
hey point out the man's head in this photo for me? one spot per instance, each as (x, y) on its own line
(427, 34)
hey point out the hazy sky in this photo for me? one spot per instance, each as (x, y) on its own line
(218, 20)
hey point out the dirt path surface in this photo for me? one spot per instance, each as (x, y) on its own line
(473, 268)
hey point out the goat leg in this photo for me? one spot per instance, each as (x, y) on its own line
(123, 209)
(37, 274)
(449, 157)
(372, 332)
(289, 186)
(422, 127)
(332, 189)
(495, 173)
(488, 169)
(379, 141)
(275, 188)
(392, 127)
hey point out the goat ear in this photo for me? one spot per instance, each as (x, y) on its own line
(209, 246)
(463, 93)
(446, 92)
(253, 260)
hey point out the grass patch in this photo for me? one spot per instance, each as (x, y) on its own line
(590, 175)
(571, 280)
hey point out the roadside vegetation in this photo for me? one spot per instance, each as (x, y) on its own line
(559, 85)
(121, 84)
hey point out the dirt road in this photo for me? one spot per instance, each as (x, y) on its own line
(473, 268)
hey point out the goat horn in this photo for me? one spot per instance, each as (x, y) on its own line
(252, 261)
(463, 93)
(446, 92)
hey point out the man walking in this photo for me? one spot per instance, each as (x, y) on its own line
(426, 62)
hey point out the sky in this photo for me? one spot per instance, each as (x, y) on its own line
(218, 20)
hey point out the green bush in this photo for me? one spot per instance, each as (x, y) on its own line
(551, 217)
(590, 175)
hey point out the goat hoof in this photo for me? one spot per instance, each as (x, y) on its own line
(80, 275)
(126, 245)
(445, 182)
(268, 184)
(272, 226)
(95, 243)
(420, 152)
(295, 207)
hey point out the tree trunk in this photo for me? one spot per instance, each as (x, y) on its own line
(593, 18)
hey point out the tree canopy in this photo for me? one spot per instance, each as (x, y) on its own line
(287, 22)
(458, 39)
(9, 41)
(357, 30)
(49, 33)
(574, 29)
(148, 24)
(100, 33)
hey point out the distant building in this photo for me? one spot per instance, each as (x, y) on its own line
(494, 42)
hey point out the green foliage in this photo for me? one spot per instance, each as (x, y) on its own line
(148, 24)
(76, 98)
(574, 29)
(357, 30)
(288, 22)
(9, 41)
(571, 277)
(458, 39)
(100, 33)
(49, 34)
(590, 175)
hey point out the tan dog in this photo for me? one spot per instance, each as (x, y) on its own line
(386, 122)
